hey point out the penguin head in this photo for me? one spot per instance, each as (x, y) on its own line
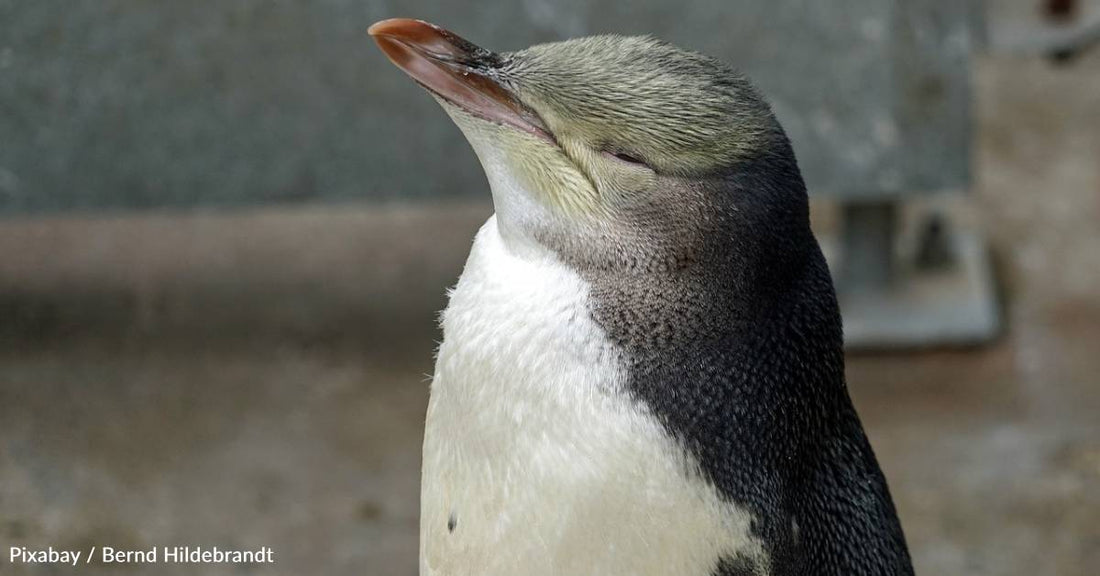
(611, 148)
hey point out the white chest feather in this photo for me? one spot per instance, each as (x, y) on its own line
(535, 461)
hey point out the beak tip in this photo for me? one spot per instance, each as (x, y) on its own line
(397, 27)
(379, 27)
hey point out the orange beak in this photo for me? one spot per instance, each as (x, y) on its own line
(456, 70)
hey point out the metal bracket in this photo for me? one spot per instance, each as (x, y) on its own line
(940, 291)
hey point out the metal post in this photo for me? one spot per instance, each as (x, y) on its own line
(870, 230)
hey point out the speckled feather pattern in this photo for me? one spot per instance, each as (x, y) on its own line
(681, 111)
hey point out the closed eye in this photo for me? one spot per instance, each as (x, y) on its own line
(625, 157)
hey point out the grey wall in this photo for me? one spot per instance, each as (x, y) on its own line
(143, 103)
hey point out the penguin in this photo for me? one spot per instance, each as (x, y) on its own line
(641, 371)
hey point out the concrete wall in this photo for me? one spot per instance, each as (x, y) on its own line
(145, 103)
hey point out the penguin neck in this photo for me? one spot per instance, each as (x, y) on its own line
(746, 371)
(733, 320)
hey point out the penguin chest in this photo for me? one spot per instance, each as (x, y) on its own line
(536, 461)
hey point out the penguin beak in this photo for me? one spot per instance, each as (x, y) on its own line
(456, 70)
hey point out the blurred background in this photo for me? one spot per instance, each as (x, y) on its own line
(228, 226)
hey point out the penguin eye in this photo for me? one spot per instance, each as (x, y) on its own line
(626, 157)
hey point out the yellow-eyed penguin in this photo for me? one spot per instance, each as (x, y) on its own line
(641, 372)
